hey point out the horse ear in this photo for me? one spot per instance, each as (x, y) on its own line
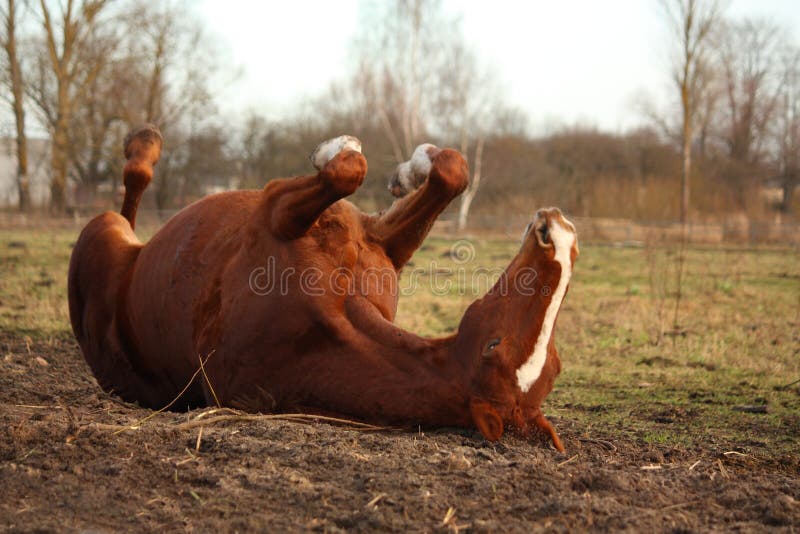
(486, 419)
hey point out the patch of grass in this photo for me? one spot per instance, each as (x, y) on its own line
(33, 286)
(739, 340)
(739, 317)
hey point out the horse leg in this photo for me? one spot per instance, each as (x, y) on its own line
(293, 205)
(439, 175)
(545, 426)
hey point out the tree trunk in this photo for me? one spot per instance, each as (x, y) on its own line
(687, 168)
(17, 96)
(58, 185)
(23, 182)
(67, 70)
(469, 195)
(789, 184)
(687, 151)
(693, 20)
(463, 209)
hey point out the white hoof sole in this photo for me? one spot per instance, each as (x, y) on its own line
(413, 173)
(327, 150)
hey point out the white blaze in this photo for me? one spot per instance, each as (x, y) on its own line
(562, 240)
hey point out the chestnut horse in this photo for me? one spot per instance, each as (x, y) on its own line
(288, 294)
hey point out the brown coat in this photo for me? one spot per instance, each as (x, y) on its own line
(289, 296)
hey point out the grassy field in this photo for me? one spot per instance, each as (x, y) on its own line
(717, 385)
(627, 365)
(630, 368)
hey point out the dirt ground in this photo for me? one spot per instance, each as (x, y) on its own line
(64, 467)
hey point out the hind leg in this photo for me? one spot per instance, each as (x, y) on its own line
(99, 272)
(142, 150)
(293, 205)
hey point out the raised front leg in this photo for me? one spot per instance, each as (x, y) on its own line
(430, 180)
(293, 205)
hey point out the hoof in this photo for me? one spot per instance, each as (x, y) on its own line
(344, 173)
(326, 150)
(412, 173)
(143, 142)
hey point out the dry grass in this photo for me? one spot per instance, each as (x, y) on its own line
(627, 369)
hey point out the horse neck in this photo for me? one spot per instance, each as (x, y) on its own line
(411, 378)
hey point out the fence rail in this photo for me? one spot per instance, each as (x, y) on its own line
(630, 232)
(590, 229)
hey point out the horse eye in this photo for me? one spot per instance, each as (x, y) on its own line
(491, 346)
(527, 229)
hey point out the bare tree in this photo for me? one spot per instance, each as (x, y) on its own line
(92, 143)
(14, 80)
(748, 53)
(140, 63)
(395, 68)
(474, 183)
(175, 65)
(788, 126)
(468, 110)
(66, 71)
(418, 81)
(692, 22)
(707, 113)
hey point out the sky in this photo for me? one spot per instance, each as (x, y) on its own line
(562, 61)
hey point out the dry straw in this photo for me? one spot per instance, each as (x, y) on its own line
(228, 414)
